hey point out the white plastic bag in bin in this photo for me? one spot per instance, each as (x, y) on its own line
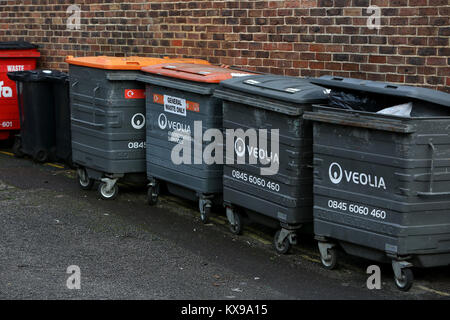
(401, 110)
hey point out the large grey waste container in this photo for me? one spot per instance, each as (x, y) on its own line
(382, 182)
(108, 119)
(282, 194)
(180, 109)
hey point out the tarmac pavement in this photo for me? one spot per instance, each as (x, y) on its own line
(126, 249)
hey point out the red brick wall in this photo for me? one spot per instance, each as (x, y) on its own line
(298, 38)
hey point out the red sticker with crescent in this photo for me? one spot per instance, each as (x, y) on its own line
(134, 93)
(158, 98)
(193, 106)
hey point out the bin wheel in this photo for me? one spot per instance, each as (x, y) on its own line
(405, 282)
(237, 227)
(84, 181)
(152, 197)
(17, 148)
(108, 195)
(41, 156)
(331, 262)
(282, 248)
(205, 213)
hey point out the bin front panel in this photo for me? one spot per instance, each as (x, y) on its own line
(286, 195)
(171, 114)
(9, 111)
(37, 118)
(107, 121)
(393, 188)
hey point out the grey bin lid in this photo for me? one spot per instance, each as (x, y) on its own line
(384, 88)
(17, 45)
(289, 89)
(38, 76)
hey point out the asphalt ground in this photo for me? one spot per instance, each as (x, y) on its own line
(126, 249)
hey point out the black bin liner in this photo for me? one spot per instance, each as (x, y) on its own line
(17, 45)
(371, 96)
(361, 102)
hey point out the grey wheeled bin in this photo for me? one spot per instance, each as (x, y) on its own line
(267, 171)
(382, 177)
(108, 120)
(180, 109)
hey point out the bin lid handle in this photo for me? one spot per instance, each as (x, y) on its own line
(200, 73)
(133, 63)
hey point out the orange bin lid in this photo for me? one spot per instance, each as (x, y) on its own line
(195, 72)
(126, 63)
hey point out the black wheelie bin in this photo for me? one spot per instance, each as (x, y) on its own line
(108, 120)
(269, 179)
(63, 138)
(382, 178)
(181, 111)
(36, 96)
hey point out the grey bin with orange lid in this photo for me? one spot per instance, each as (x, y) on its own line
(177, 95)
(108, 119)
(266, 181)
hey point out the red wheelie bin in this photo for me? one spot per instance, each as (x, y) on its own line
(14, 56)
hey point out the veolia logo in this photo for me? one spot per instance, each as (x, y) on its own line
(162, 121)
(138, 121)
(239, 147)
(258, 153)
(5, 92)
(335, 172)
